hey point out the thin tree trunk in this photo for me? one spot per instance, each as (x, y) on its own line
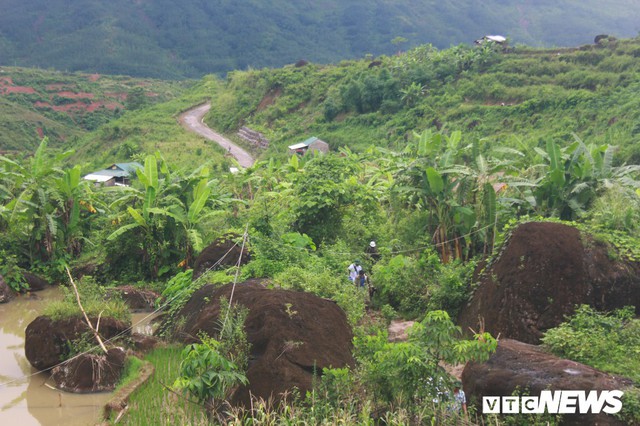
(95, 330)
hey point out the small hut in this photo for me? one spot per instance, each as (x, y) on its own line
(311, 144)
(117, 174)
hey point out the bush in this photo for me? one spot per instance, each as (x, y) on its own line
(411, 371)
(11, 272)
(416, 286)
(206, 374)
(324, 283)
(94, 300)
(617, 209)
(602, 340)
(400, 284)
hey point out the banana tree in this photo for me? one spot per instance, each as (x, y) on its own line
(453, 182)
(74, 197)
(190, 215)
(569, 178)
(43, 210)
(169, 211)
(141, 207)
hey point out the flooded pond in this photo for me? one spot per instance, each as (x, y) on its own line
(25, 396)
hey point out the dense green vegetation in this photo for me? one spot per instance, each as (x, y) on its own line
(608, 341)
(192, 38)
(516, 99)
(426, 161)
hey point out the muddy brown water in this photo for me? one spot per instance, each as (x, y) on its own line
(25, 396)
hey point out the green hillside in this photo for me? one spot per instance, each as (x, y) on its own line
(62, 106)
(514, 97)
(192, 37)
(520, 97)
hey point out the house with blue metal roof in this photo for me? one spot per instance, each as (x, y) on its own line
(117, 174)
(311, 144)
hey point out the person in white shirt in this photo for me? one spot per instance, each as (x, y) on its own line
(354, 270)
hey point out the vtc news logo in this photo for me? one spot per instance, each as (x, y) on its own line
(556, 402)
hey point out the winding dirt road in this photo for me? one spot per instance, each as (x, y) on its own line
(192, 121)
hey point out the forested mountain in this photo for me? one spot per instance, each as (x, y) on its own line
(169, 39)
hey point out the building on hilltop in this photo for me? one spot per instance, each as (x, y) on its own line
(492, 39)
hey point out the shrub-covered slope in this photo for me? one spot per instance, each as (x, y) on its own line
(513, 97)
(36, 103)
(191, 38)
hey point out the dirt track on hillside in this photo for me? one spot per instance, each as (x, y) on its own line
(192, 121)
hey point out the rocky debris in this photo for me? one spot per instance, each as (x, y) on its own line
(47, 341)
(222, 252)
(527, 368)
(90, 372)
(6, 293)
(292, 335)
(35, 282)
(138, 300)
(544, 271)
(253, 137)
(397, 331)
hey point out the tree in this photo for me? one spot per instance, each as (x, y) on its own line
(45, 205)
(322, 191)
(142, 213)
(170, 210)
(411, 370)
(457, 197)
(136, 99)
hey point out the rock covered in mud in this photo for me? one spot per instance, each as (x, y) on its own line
(137, 299)
(292, 335)
(529, 369)
(35, 282)
(545, 271)
(222, 252)
(47, 342)
(6, 293)
(90, 372)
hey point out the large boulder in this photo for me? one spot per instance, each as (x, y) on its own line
(90, 372)
(527, 368)
(137, 299)
(47, 341)
(292, 335)
(544, 271)
(225, 251)
(35, 282)
(6, 293)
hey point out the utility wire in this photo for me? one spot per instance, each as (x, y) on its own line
(156, 311)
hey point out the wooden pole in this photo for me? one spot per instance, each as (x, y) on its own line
(95, 330)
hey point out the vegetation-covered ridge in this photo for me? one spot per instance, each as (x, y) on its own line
(62, 106)
(193, 38)
(517, 98)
